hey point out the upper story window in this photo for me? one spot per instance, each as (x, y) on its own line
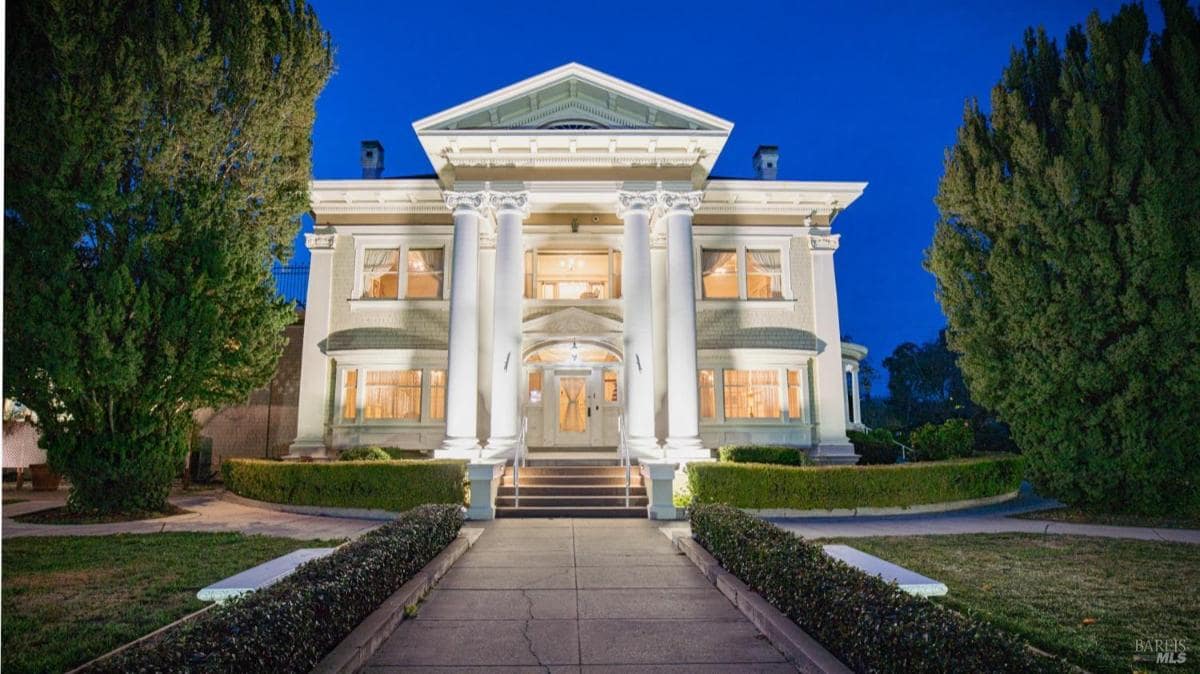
(573, 274)
(741, 273)
(422, 278)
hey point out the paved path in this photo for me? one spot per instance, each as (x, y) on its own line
(562, 595)
(992, 519)
(208, 513)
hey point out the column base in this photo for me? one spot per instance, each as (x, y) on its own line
(686, 449)
(458, 448)
(645, 448)
(306, 448)
(836, 454)
(499, 448)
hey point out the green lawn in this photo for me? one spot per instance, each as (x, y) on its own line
(1081, 516)
(68, 599)
(1085, 599)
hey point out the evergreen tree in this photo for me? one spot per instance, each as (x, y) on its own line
(1067, 258)
(158, 160)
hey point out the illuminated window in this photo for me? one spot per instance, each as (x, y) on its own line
(610, 386)
(393, 394)
(437, 394)
(764, 275)
(752, 394)
(572, 275)
(708, 395)
(535, 387)
(719, 273)
(350, 395)
(794, 382)
(381, 273)
(425, 273)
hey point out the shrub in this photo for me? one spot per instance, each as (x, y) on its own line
(365, 454)
(868, 624)
(875, 447)
(387, 485)
(828, 487)
(952, 439)
(783, 456)
(291, 625)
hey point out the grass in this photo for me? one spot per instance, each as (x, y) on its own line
(1081, 516)
(1085, 599)
(61, 515)
(68, 599)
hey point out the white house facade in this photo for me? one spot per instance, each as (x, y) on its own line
(572, 276)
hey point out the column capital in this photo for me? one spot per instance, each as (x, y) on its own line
(320, 241)
(827, 242)
(469, 201)
(680, 201)
(635, 201)
(509, 201)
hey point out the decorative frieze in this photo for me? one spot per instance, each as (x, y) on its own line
(824, 241)
(320, 241)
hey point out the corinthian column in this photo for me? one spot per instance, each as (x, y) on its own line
(635, 208)
(463, 357)
(511, 209)
(683, 398)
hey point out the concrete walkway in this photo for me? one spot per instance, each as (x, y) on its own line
(992, 519)
(563, 595)
(208, 513)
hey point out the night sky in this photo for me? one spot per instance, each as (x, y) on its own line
(857, 91)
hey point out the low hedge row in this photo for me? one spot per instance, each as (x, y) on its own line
(868, 624)
(291, 625)
(783, 456)
(386, 485)
(829, 487)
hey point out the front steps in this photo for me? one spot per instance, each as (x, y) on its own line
(571, 489)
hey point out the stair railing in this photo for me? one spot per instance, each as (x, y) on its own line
(624, 454)
(519, 453)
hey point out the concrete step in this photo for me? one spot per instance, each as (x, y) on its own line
(572, 469)
(581, 480)
(534, 461)
(612, 450)
(570, 500)
(571, 511)
(575, 489)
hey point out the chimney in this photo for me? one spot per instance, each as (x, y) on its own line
(766, 162)
(372, 159)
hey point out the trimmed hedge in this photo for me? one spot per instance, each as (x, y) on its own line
(291, 625)
(874, 448)
(828, 487)
(364, 454)
(868, 624)
(386, 485)
(950, 439)
(778, 455)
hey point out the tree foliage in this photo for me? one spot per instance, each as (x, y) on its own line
(925, 384)
(158, 159)
(1067, 257)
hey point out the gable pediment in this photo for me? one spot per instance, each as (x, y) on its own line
(572, 321)
(572, 97)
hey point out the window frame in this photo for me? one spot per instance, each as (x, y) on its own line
(424, 418)
(529, 279)
(401, 244)
(740, 246)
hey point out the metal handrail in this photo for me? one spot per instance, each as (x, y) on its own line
(903, 457)
(519, 454)
(624, 454)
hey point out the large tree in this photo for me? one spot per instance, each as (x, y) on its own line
(925, 384)
(158, 159)
(1068, 258)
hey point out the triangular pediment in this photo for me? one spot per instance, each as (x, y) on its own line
(572, 321)
(572, 98)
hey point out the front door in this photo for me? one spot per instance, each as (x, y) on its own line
(573, 412)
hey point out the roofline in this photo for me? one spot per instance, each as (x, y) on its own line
(550, 76)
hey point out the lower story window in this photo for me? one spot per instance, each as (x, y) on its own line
(752, 394)
(350, 395)
(437, 394)
(795, 377)
(393, 394)
(708, 395)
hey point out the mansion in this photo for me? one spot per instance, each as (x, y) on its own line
(572, 276)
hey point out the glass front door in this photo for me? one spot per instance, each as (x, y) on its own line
(573, 409)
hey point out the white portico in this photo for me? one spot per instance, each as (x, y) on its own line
(572, 265)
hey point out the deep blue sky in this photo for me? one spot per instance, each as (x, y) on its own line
(862, 91)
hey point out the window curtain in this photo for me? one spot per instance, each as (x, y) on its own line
(350, 396)
(380, 268)
(760, 264)
(393, 394)
(752, 394)
(708, 395)
(437, 394)
(425, 272)
(718, 284)
(572, 408)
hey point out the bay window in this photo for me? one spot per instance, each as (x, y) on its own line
(708, 395)
(437, 394)
(794, 380)
(393, 394)
(751, 394)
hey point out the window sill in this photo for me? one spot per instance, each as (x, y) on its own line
(755, 422)
(389, 423)
(370, 304)
(731, 303)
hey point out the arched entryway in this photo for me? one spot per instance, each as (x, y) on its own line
(572, 393)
